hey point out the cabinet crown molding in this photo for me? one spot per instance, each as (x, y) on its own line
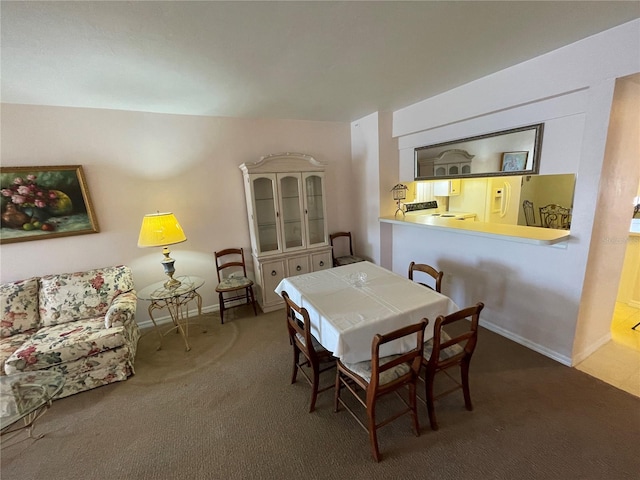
(283, 162)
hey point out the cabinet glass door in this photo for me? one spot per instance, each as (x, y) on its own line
(265, 216)
(291, 210)
(315, 209)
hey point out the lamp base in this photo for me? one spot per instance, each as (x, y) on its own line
(172, 283)
(169, 270)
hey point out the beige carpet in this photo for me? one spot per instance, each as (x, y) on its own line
(226, 410)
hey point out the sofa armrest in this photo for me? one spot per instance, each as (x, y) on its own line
(122, 310)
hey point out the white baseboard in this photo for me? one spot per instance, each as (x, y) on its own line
(592, 348)
(563, 359)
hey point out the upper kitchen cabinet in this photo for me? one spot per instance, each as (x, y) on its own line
(285, 195)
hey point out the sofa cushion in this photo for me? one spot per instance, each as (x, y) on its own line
(77, 296)
(64, 343)
(19, 304)
(9, 345)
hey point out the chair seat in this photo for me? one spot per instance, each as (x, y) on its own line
(363, 369)
(445, 353)
(314, 342)
(233, 283)
(348, 260)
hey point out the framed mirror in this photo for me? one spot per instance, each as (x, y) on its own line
(508, 152)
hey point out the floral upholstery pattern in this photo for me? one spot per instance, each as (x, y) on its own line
(11, 344)
(233, 283)
(77, 296)
(445, 353)
(347, 260)
(363, 369)
(19, 304)
(122, 310)
(92, 372)
(82, 325)
(64, 343)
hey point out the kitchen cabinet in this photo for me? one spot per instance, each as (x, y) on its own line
(446, 188)
(285, 197)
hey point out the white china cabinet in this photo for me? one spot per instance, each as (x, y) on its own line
(285, 197)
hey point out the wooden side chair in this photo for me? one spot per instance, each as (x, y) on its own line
(233, 283)
(443, 352)
(555, 216)
(338, 259)
(427, 270)
(303, 342)
(381, 376)
(529, 213)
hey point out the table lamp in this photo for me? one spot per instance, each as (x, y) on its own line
(161, 230)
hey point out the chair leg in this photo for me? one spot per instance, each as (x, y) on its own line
(428, 387)
(253, 301)
(464, 374)
(337, 391)
(296, 359)
(414, 409)
(221, 303)
(373, 432)
(314, 386)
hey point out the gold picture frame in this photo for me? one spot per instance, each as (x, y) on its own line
(37, 203)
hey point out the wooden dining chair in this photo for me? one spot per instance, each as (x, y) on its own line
(381, 376)
(344, 239)
(555, 216)
(317, 358)
(529, 213)
(443, 352)
(430, 271)
(233, 280)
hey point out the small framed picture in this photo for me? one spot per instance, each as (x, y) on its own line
(37, 203)
(514, 161)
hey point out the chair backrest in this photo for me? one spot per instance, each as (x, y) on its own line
(529, 212)
(299, 326)
(235, 259)
(554, 216)
(466, 341)
(412, 357)
(333, 236)
(428, 270)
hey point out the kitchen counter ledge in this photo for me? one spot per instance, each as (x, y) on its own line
(512, 233)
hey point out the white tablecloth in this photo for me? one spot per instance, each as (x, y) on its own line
(345, 316)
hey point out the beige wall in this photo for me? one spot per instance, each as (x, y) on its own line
(138, 163)
(618, 184)
(536, 295)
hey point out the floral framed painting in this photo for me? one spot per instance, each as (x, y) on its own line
(514, 161)
(37, 203)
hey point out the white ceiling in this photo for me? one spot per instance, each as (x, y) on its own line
(334, 61)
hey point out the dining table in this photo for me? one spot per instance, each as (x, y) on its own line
(349, 305)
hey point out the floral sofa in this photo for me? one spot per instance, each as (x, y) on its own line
(80, 324)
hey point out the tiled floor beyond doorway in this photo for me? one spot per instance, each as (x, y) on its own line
(618, 361)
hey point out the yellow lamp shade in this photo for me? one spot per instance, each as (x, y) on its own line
(160, 229)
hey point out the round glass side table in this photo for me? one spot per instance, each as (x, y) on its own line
(175, 300)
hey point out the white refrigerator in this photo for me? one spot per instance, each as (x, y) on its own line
(503, 197)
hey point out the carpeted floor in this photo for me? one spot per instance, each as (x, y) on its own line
(226, 410)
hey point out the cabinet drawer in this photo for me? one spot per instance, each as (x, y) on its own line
(298, 265)
(272, 273)
(320, 261)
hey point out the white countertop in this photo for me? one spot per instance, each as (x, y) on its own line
(513, 233)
